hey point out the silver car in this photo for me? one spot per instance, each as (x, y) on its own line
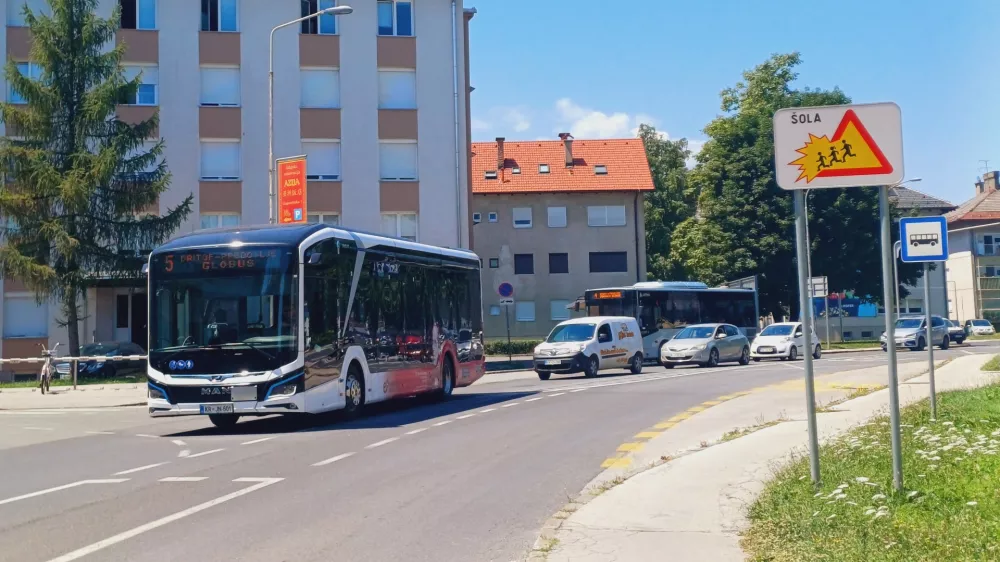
(706, 345)
(911, 333)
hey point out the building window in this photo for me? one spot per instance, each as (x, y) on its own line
(492, 217)
(400, 225)
(322, 160)
(867, 335)
(220, 160)
(557, 217)
(494, 310)
(610, 215)
(397, 161)
(608, 262)
(32, 71)
(516, 170)
(322, 25)
(25, 318)
(524, 264)
(522, 217)
(395, 17)
(494, 263)
(220, 220)
(220, 86)
(558, 263)
(490, 175)
(601, 170)
(397, 89)
(138, 14)
(121, 311)
(319, 87)
(220, 15)
(559, 309)
(543, 168)
(477, 218)
(524, 311)
(848, 335)
(15, 10)
(146, 94)
(332, 219)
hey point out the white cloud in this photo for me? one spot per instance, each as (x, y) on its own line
(480, 125)
(695, 147)
(587, 123)
(515, 118)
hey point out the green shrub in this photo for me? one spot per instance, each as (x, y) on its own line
(515, 347)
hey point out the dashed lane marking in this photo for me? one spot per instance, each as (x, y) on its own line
(440, 423)
(416, 431)
(178, 442)
(630, 447)
(203, 453)
(255, 441)
(332, 460)
(148, 436)
(382, 442)
(534, 399)
(32, 428)
(511, 405)
(99, 432)
(487, 410)
(647, 434)
(465, 417)
(184, 479)
(139, 469)
(63, 487)
(556, 394)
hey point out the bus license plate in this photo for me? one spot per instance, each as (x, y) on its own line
(243, 393)
(553, 362)
(217, 409)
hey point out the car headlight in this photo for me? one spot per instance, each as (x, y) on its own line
(786, 340)
(698, 347)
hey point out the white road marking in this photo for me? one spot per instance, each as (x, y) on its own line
(440, 423)
(203, 453)
(261, 440)
(99, 432)
(967, 352)
(556, 394)
(121, 537)
(37, 428)
(139, 469)
(31, 413)
(178, 442)
(183, 478)
(487, 410)
(63, 487)
(465, 417)
(147, 435)
(579, 389)
(511, 405)
(333, 459)
(534, 399)
(382, 442)
(416, 431)
(791, 366)
(184, 454)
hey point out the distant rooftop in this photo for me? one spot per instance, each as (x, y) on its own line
(907, 198)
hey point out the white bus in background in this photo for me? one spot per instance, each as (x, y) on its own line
(664, 308)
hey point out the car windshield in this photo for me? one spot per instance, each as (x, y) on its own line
(777, 330)
(980, 323)
(92, 349)
(571, 332)
(908, 323)
(696, 333)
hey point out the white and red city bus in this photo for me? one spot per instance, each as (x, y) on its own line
(307, 319)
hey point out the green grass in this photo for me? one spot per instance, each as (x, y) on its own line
(854, 344)
(69, 382)
(759, 425)
(949, 509)
(991, 337)
(992, 364)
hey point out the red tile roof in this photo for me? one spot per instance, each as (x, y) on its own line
(625, 159)
(985, 206)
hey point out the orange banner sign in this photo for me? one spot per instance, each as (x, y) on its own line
(292, 190)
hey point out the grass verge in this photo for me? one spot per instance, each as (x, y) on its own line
(859, 344)
(949, 509)
(856, 393)
(992, 364)
(979, 338)
(69, 382)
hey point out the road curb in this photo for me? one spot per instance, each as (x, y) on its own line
(71, 408)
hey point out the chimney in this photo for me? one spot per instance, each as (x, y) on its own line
(500, 157)
(568, 142)
(990, 182)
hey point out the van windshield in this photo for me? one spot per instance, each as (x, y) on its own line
(571, 332)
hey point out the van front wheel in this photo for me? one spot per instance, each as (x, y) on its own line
(593, 364)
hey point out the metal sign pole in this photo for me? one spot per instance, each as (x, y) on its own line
(826, 310)
(930, 338)
(890, 338)
(506, 315)
(805, 304)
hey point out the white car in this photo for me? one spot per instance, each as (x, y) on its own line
(590, 345)
(979, 328)
(785, 341)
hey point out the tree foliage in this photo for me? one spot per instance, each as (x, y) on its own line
(80, 185)
(672, 201)
(745, 222)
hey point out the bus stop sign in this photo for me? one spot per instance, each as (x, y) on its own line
(923, 239)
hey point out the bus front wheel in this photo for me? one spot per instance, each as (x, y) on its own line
(223, 421)
(354, 391)
(447, 378)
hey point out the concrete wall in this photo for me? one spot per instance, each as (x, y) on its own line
(501, 240)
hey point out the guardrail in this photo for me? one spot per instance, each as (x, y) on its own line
(75, 361)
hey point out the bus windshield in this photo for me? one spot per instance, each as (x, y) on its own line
(571, 333)
(226, 310)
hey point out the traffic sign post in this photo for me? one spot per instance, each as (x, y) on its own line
(839, 147)
(925, 240)
(820, 287)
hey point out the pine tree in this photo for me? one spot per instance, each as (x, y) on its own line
(80, 185)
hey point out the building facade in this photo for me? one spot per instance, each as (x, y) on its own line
(377, 100)
(553, 219)
(974, 253)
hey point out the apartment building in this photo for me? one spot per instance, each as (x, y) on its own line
(553, 219)
(974, 253)
(377, 100)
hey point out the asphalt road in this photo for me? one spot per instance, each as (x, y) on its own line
(469, 479)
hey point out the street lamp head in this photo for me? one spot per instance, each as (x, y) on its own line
(336, 10)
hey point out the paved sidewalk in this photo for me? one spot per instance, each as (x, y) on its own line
(86, 396)
(693, 506)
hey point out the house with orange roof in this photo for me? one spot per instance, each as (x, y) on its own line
(973, 266)
(553, 219)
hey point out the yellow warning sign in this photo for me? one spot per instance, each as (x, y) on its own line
(850, 152)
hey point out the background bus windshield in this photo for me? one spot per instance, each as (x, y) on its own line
(238, 304)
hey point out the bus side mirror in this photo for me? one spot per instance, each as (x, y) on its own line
(315, 258)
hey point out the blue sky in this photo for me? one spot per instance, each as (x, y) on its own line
(598, 68)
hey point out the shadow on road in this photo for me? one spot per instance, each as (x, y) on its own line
(394, 413)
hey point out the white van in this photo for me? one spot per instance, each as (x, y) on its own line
(589, 345)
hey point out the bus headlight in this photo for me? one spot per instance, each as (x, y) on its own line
(284, 390)
(156, 394)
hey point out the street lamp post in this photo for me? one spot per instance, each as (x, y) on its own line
(334, 11)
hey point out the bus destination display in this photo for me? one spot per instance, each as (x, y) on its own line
(217, 261)
(608, 295)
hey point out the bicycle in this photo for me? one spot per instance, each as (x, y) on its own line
(45, 375)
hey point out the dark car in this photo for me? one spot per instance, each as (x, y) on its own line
(94, 369)
(956, 332)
